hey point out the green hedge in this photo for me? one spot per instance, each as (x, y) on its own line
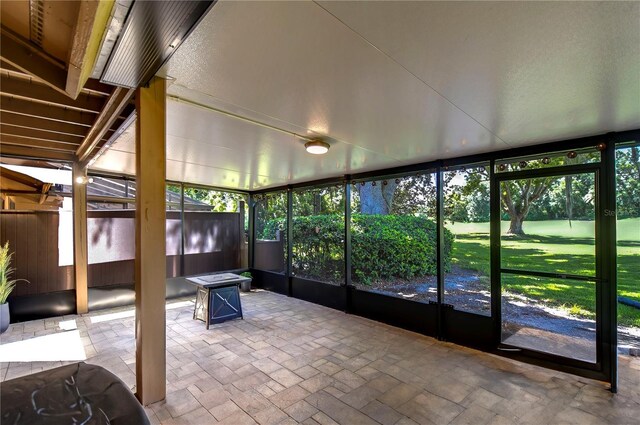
(383, 246)
(393, 246)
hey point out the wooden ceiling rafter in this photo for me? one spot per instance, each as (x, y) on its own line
(36, 92)
(49, 107)
(45, 111)
(22, 151)
(119, 99)
(30, 58)
(92, 87)
(67, 75)
(36, 121)
(11, 139)
(38, 133)
(41, 123)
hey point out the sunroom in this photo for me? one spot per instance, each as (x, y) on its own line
(437, 205)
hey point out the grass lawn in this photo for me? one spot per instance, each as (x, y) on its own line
(554, 246)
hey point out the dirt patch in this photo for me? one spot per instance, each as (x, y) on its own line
(469, 291)
(466, 290)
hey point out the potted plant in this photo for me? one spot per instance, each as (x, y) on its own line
(6, 285)
(245, 286)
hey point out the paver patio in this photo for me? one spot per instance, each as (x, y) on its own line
(290, 361)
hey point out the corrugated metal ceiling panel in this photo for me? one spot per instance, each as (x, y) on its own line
(152, 32)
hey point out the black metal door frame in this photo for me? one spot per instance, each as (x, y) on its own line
(605, 366)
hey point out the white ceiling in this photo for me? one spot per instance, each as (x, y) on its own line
(390, 83)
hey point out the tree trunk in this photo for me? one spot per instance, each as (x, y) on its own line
(515, 226)
(569, 199)
(376, 199)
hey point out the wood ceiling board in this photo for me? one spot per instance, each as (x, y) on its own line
(46, 111)
(36, 163)
(59, 22)
(20, 88)
(7, 150)
(15, 15)
(22, 55)
(296, 64)
(92, 87)
(529, 71)
(32, 133)
(42, 124)
(31, 142)
(91, 24)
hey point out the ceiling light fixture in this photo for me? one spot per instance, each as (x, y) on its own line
(317, 147)
(84, 180)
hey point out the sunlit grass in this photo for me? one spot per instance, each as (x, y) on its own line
(555, 246)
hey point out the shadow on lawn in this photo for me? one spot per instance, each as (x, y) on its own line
(553, 240)
(549, 240)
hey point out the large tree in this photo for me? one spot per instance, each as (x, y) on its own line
(518, 196)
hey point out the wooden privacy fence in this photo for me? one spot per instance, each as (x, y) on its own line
(212, 242)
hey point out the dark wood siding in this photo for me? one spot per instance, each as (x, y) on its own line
(33, 237)
(212, 243)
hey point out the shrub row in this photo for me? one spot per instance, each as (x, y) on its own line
(383, 246)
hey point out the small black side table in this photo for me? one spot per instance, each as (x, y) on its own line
(217, 297)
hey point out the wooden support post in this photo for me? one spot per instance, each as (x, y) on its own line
(150, 262)
(80, 256)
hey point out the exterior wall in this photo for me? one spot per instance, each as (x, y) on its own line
(213, 242)
(33, 237)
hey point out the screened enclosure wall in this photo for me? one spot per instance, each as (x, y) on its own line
(209, 236)
(467, 280)
(502, 251)
(393, 236)
(319, 234)
(270, 245)
(628, 244)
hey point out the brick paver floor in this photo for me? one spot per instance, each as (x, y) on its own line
(290, 361)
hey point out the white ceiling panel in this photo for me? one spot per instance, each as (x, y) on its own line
(528, 71)
(209, 148)
(389, 83)
(293, 65)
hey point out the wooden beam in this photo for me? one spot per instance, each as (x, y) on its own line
(23, 89)
(35, 153)
(29, 58)
(47, 112)
(150, 243)
(43, 193)
(38, 123)
(17, 192)
(92, 87)
(35, 133)
(10, 139)
(92, 22)
(80, 256)
(115, 104)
